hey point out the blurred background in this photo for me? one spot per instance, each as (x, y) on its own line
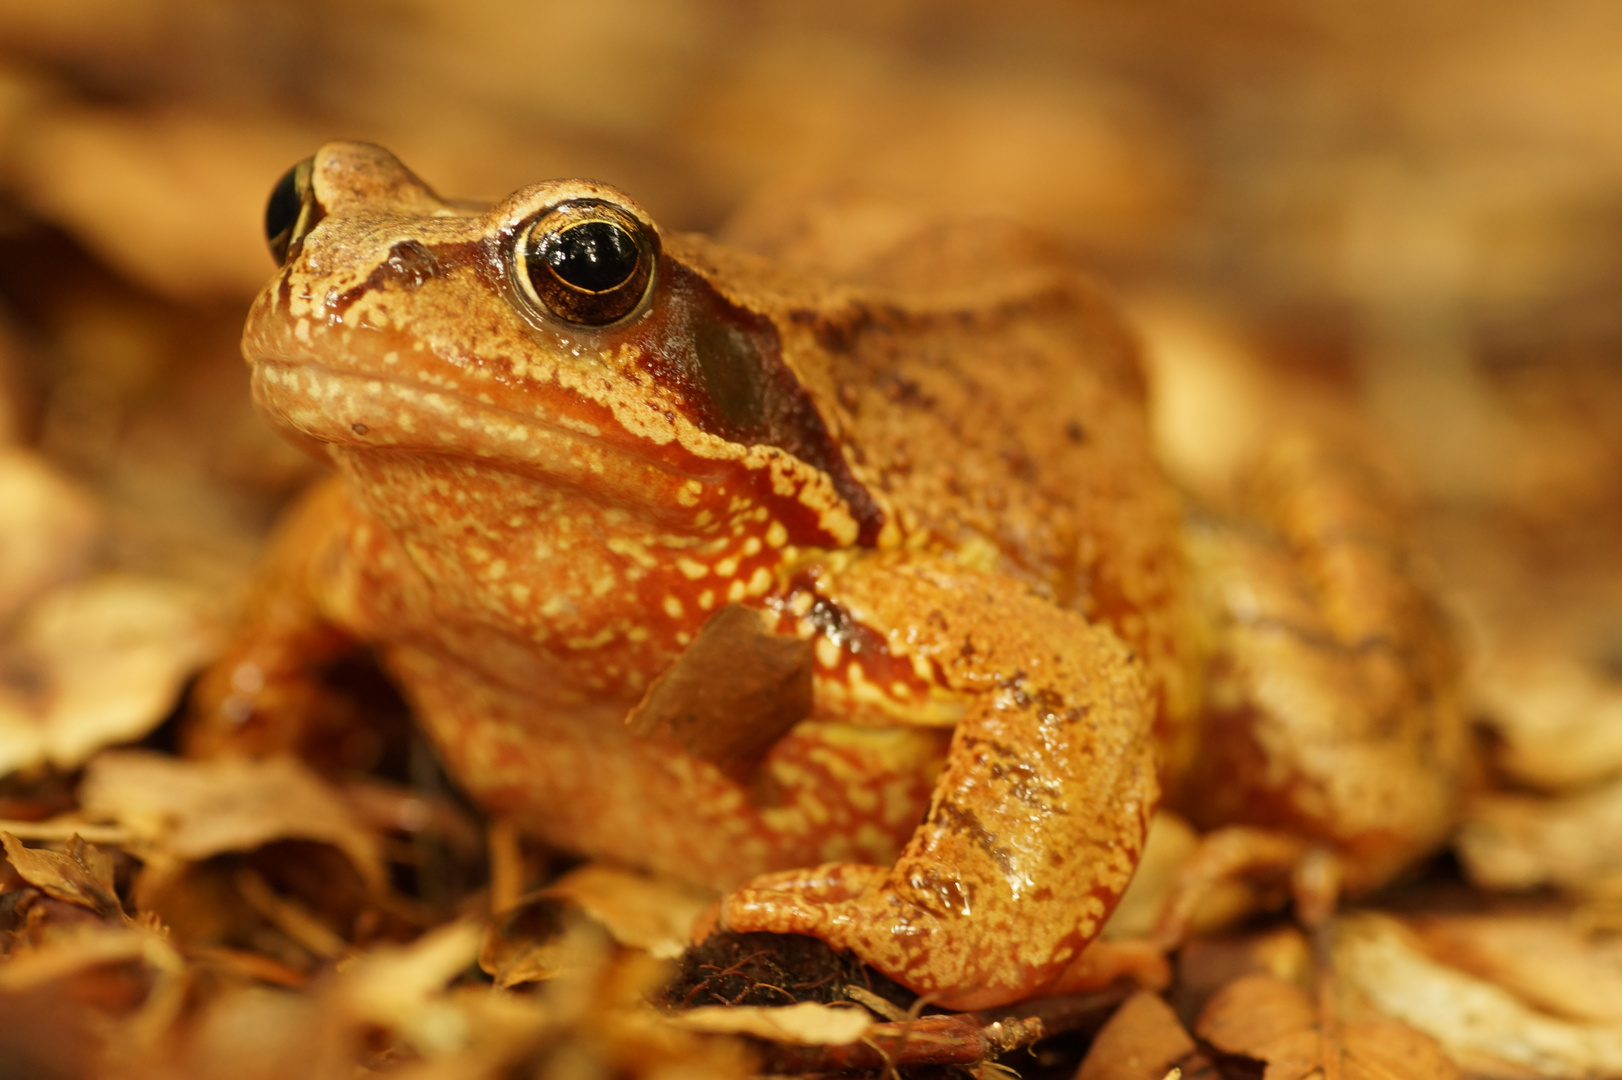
(1414, 206)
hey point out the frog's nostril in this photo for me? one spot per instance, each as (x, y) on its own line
(288, 212)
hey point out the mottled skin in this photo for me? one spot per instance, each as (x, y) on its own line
(937, 473)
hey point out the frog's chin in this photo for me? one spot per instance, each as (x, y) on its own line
(356, 413)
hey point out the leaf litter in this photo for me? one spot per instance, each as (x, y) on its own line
(167, 918)
(204, 912)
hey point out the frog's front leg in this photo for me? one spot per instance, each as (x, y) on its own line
(263, 694)
(1038, 817)
(273, 688)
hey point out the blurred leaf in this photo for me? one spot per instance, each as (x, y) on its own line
(653, 914)
(805, 1023)
(1559, 719)
(521, 944)
(193, 810)
(1144, 1040)
(1274, 1023)
(47, 527)
(1483, 1026)
(96, 663)
(1514, 841)
(172, 197)
(400, 986)
(82, 875)
(1545, 960)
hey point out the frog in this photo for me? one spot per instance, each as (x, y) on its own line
(840, 577)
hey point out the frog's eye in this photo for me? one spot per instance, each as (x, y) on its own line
(586, 262)
(291, 211)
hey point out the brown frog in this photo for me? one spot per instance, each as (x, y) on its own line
(863, 598)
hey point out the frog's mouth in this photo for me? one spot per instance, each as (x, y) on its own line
(356, 412)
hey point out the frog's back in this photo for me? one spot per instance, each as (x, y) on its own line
(990, 395)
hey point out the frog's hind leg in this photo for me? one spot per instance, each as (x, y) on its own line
(1332, 719)
(1037, 819)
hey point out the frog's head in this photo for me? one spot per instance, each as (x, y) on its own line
(557, 334)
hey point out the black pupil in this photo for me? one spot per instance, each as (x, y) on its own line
(595, 256)
(282, 211)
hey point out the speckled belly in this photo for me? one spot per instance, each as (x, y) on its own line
(827, 792)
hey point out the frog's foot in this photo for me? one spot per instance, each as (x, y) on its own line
(850, 907)
(949, 958)
(841, 903)
(1239, 855)
(801, 897)
(826, 902)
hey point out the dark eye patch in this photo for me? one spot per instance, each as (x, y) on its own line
(727, 363)
(733, 371)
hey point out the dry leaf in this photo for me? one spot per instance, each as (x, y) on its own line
(732, 694)
(648, 913)
(522, 944)
(97, 663)
(82, 875)
(47, 528)
(193, 810)
(1522, 841)
(252, 1033)
(173, 198)
(1558, 719)
(89, 945)
(1144, 1040)
(46, 1036)
(954, 1039)
(1207, 964)
(400, 987)
(289, 916)
(1483, 1026)
(391, 1012)
(1271, 1021)
(126, 969)
(1170, 845)
(804, 1023)
(1215, 402)
(921, 138)
(1544, 960)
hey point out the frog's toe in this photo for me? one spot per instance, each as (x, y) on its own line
(814, 901)
(829, 883)
(856, 909)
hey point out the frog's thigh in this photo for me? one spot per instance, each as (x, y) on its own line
(1331, 707)
(1037, 818)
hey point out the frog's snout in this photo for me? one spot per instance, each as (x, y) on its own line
(336, 175)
